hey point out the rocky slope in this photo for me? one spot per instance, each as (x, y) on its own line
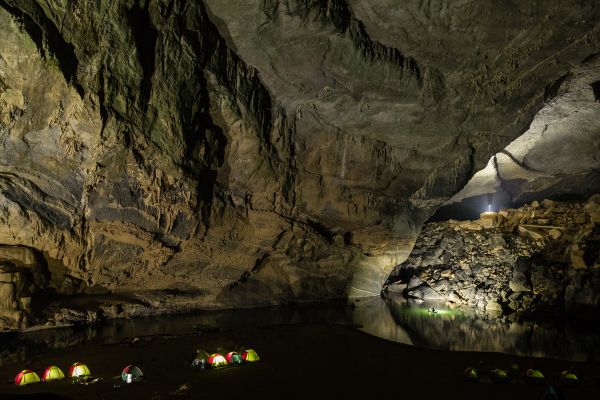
(182, 155)
(543, 257)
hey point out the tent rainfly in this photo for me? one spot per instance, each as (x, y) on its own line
(217, 360)
(26, 377)
(79, 370)
(131, 374)
(233, 358)
(250, 355)
(53, 373)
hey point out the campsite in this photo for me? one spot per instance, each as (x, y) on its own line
(300, 361)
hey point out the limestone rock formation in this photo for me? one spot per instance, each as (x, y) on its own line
(541, 257)
(557, 157)
(208, 154)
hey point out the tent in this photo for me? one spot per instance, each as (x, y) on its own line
(201, 354)
(132, 373)
(53, 373)
(470, 375)
(499, 375)
(250, 355)
(26, 377)
(79, 370)
(200, 359)
(534, 375)
(217, 360)
(233, 358)
(568, 378)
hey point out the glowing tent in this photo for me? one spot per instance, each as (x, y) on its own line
(26, 377)
(534, 375)
(131, 373)
(53, 373)
(250, 355)
(200, 359)
(568, 378)
(217, 360)
(233, 358)
(79, 370)
(499, 375)
(470, 375)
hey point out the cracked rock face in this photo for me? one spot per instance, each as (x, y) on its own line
(543, 257)
(211, 154)
(558, 156)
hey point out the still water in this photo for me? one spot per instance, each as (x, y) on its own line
(393, 319)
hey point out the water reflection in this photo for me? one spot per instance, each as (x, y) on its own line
(463, 330)
(16, 347)
(394, 319)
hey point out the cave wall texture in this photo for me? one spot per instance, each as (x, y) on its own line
(235, 153)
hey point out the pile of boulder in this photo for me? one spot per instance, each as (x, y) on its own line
(542, 257)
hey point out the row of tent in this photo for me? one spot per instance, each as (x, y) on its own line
(130, 373)
(215, 360)
(531, 375)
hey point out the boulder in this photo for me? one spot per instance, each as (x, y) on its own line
(396, 287)
(576, 256)
(555, 233)
(592, 208)
(425, 293)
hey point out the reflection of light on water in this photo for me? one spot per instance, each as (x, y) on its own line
(462, 329)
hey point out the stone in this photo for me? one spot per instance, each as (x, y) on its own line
(577, 257)
(425, 293)
(397, 288)
(592, 208)
(493, 305)
(555, 233)
(415, 281)
(530, 233)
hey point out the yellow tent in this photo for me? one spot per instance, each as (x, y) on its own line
(53, 373)
(250, 355)
(79, 370)
(26, 377)
(217, 360)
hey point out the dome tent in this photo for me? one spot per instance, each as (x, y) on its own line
(233, 358)
(131, 374)
(26, 377)
(250, 355)
(217, 360)
(200, 359)
(79, 370)
(53, 373)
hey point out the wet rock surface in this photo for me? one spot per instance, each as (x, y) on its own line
(183, 155)
(543, 257)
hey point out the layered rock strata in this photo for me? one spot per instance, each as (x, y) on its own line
(543, 257)
(207, 154)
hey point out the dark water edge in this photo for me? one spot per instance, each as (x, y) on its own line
(394, 319)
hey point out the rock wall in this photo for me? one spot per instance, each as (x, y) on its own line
(557, 157)
(543, 257)
(204, 155)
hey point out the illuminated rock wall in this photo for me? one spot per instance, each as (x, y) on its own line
(188, 155)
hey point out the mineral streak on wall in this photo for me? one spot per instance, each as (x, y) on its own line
(215, 154)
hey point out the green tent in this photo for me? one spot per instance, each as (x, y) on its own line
(470, 375)
(131, 374)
